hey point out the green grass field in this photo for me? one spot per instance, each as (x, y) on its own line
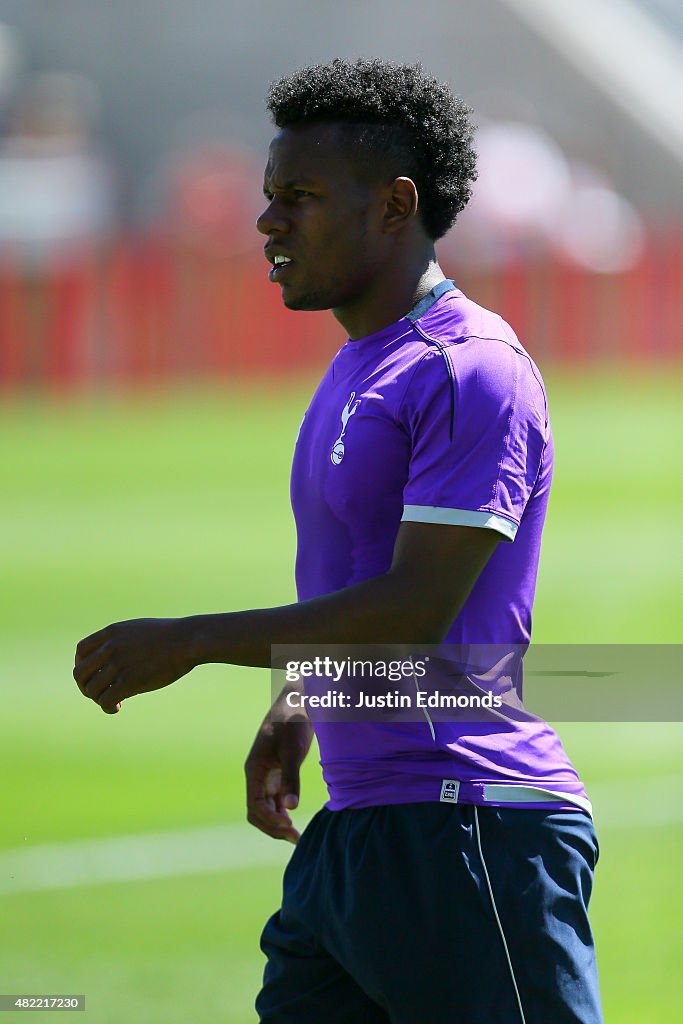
(173, 505)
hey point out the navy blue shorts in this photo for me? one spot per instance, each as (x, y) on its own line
(435, 914)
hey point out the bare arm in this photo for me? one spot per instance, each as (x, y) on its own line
(273, 765)
(433, 571)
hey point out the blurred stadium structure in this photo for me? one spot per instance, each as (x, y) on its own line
(131, 145)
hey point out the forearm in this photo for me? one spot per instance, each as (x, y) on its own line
(414, 603)
(379, 610)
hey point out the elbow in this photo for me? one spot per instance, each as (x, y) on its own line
(423, 628)
(422, 617)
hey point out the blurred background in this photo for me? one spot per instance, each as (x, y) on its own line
(151, 386)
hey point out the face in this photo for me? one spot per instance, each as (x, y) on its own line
(322, 217)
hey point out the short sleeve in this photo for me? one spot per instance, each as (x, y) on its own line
(477, 418)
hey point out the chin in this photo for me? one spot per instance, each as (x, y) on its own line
(305, 301)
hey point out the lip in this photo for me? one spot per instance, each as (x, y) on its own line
(280, 272)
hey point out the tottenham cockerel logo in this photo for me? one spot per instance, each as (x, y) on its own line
(337, 453)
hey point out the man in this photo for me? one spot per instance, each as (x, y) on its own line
(449, 875)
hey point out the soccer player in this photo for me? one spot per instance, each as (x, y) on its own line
(448, 877)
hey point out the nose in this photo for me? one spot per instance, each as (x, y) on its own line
(272, 220)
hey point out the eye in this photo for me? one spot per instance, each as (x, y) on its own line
(301, 193)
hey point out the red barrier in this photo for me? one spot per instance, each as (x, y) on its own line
(13, 326)
(154, 309)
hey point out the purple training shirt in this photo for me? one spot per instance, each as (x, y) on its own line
(439, 418)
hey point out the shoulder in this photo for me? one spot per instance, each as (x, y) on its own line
(473, 372)
(481, 350)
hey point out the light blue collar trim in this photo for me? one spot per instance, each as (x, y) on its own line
(430, 298)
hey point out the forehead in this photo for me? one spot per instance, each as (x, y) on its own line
(308, 154)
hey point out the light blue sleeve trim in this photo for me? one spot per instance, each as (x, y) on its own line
(459, 517)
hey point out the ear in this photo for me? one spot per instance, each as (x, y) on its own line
(401, 204)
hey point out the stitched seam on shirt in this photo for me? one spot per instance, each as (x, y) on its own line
(520, 352)
(424, 355)
(540, 465)
(451, 379)
(494, 498)
(538, 380)
(422, 334)
(496, 512)
(441, 349)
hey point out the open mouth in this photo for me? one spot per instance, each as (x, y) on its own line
(281, 266)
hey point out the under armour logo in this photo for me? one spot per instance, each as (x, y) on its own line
(337, 453)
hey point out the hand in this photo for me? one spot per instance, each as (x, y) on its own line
(131, 657)
(272, 771)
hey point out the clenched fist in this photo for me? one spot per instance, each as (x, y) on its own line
(131, 657)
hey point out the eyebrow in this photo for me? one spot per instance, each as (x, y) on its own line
(301, 182)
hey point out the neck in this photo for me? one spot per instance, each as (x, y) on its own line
(390, 295)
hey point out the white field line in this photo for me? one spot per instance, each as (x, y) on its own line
(222, 848)
(134, 858)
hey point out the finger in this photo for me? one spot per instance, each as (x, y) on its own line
(85, 669)
(275, 831)
(110, 700)
(290, 786)
(99, 682)
(90, 643)
(285, 802)
(267, 808)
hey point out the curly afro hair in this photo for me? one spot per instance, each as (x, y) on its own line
(395, 117)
